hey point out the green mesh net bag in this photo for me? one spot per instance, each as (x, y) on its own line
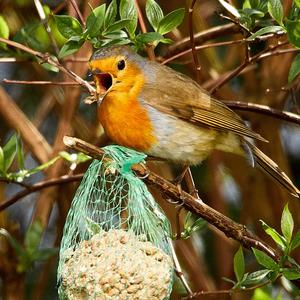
(115, 243)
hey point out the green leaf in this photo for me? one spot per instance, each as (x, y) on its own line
(4, 31)
(256, 277)
(291, 274)
(149, 37)
(154, 13)
(297, 2)
(287, 223)
(111, 13)
(68, 26)
(261, 294)
(250, 12)
(95, 21)
(293, 32)
(117, 26)
(128, 10)
(119, 34)
(33, 236)
(264, 260)
(9, 152)
(295, 68)
(20, 154)
(70, 47)
(275, 10)
(110, 42)
(265, 30)
(171, 21)
(43, 166)
(230, 8)
(295, 242)
(239, 264)
(274, 235)
(251, 4)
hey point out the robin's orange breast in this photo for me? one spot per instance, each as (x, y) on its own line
(126, 122)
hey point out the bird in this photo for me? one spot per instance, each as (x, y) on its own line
(152, 108)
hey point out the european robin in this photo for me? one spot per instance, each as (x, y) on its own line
(151, 108)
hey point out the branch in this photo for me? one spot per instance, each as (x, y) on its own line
(218, 44)
(265, 110)
(192, 40)
(202, 37)
(38, 82)
(39, 186)
(150, 50)
(226, 225)
(270, 51)
(81, 18)
(46, 58)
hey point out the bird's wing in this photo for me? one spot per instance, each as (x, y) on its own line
(178, 95)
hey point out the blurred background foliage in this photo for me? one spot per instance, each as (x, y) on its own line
(42, 114)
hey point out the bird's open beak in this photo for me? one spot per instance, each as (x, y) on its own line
(104, 82)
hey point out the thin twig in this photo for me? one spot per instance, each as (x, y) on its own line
(38, 82)
(178, 269)
(201, 37)
(192, 39)
(229, 292)
(43, 17)
(46, 58)
(39, 186)
(265, 110)
(270, 51)
(22, 184)
(80, 16)
(149, 48)
(236, 22)
(211, 45)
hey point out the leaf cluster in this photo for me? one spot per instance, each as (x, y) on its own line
(115, 25)
(13, 151)
(267, 17)
(286, 267)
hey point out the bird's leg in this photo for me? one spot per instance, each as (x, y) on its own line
(177, 181)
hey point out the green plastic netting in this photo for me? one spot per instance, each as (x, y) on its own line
(116, 240)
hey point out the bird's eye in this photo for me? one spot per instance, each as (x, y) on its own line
(121, 64)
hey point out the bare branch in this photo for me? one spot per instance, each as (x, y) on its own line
(195, 55)
(265, 110)
(39, 186)
(38, 82)
(50, 60)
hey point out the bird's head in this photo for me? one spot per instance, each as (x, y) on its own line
(116, 68)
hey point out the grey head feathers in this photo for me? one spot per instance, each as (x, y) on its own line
(109, 51)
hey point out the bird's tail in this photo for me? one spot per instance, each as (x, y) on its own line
(270, 167)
